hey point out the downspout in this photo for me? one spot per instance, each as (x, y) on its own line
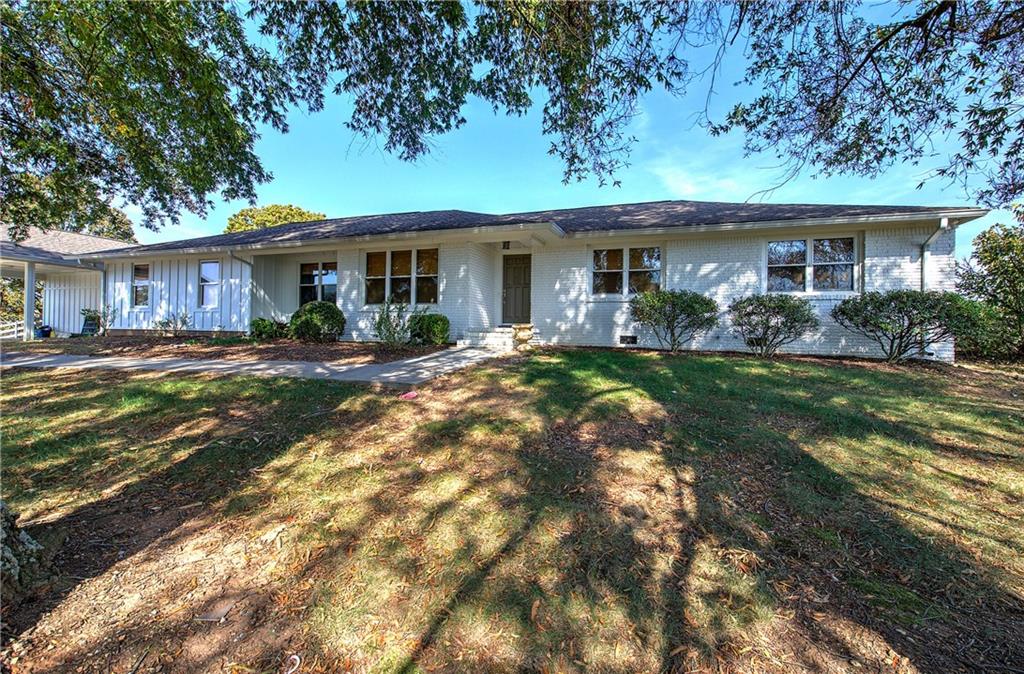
(926, 250)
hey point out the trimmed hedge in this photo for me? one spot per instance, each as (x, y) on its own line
(262, 329)
(769, 322)
(429, 329)
(674, 316)
(317, 322)
(903, 322)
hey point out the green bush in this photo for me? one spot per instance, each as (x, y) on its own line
(262, 329)
(768, 322)
(429, 329)
(991, 336)
(317, 322)
(904, 322)
(392, 324)
(674, 316)
(995, 275)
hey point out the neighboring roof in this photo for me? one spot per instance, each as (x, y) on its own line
(56, 246)
(571, 221)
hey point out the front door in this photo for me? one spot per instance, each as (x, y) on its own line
(515, 289)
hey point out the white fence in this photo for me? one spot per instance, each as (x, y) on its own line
(12, 330)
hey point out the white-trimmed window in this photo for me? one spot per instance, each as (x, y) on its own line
(318, 281)
(405, 276)
(140, 285)
(209, 283)
(634, 269)
(824, 264)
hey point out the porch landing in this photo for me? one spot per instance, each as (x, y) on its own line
(400, 372)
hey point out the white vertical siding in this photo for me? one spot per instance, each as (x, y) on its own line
(64, 298)
(174, 289)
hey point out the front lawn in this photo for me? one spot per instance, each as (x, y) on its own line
(567, 511)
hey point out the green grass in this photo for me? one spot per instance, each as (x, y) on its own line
(581, 510)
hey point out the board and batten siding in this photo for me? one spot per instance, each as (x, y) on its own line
(174, 289)
(64, 298)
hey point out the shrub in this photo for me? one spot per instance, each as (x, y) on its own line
(262, 329)
(990, 336)
(768, 322)
(175, 323)
(317, 322)
(674, 316)
(995, 275)
(903, 322)
(429, 329)
(103, 317)
(391, 324)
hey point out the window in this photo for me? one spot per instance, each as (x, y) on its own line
(209, 283)
(318, 281)
(637, 269)
(828, 263)
(787, 266)
(140, 285)
(644, 269)
(406, 276)
(833, 264)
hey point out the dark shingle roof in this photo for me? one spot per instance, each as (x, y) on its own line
(648, 215)
(56, 246)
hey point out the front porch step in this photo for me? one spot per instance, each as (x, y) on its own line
(500, 337)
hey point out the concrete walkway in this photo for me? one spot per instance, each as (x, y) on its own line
(401, 372)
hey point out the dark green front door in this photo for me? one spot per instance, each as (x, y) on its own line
(515, 289)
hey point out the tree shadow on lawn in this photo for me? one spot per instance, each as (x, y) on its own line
(762, 524)
(615, 512)
(191, 443)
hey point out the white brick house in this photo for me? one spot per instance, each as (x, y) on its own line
(570, 272)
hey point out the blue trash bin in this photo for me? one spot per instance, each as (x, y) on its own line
(43, 332)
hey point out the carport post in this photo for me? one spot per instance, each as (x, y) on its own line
(30, 300)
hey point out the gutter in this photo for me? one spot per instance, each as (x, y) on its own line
(232, 255)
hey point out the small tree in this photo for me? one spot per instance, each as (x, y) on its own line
(903, 322)
(392, 324)
(766, 323)
(674, 316)
(995, 275)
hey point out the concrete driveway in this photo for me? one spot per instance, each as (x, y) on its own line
(400, 372)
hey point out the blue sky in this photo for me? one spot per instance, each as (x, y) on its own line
(500, 164)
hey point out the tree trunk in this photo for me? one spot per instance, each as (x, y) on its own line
(23, 564)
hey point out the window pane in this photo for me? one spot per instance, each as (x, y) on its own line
(209, 271)
(140, 296)
(307, 274)
(329, 273)
(209, 295)
(607, 282)
(374, 291)
(376, 265)
(426, 262)
(787, 252)
(608, 259)
(426, 290)
(140, 272)
(401, 263)
(642, 281)
(833, 277)
(329, 293)
(307, 294)
(645, 258)
(786, 279)
(833, 250)
(401, 289)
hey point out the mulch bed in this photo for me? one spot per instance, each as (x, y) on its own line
(349, 353)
